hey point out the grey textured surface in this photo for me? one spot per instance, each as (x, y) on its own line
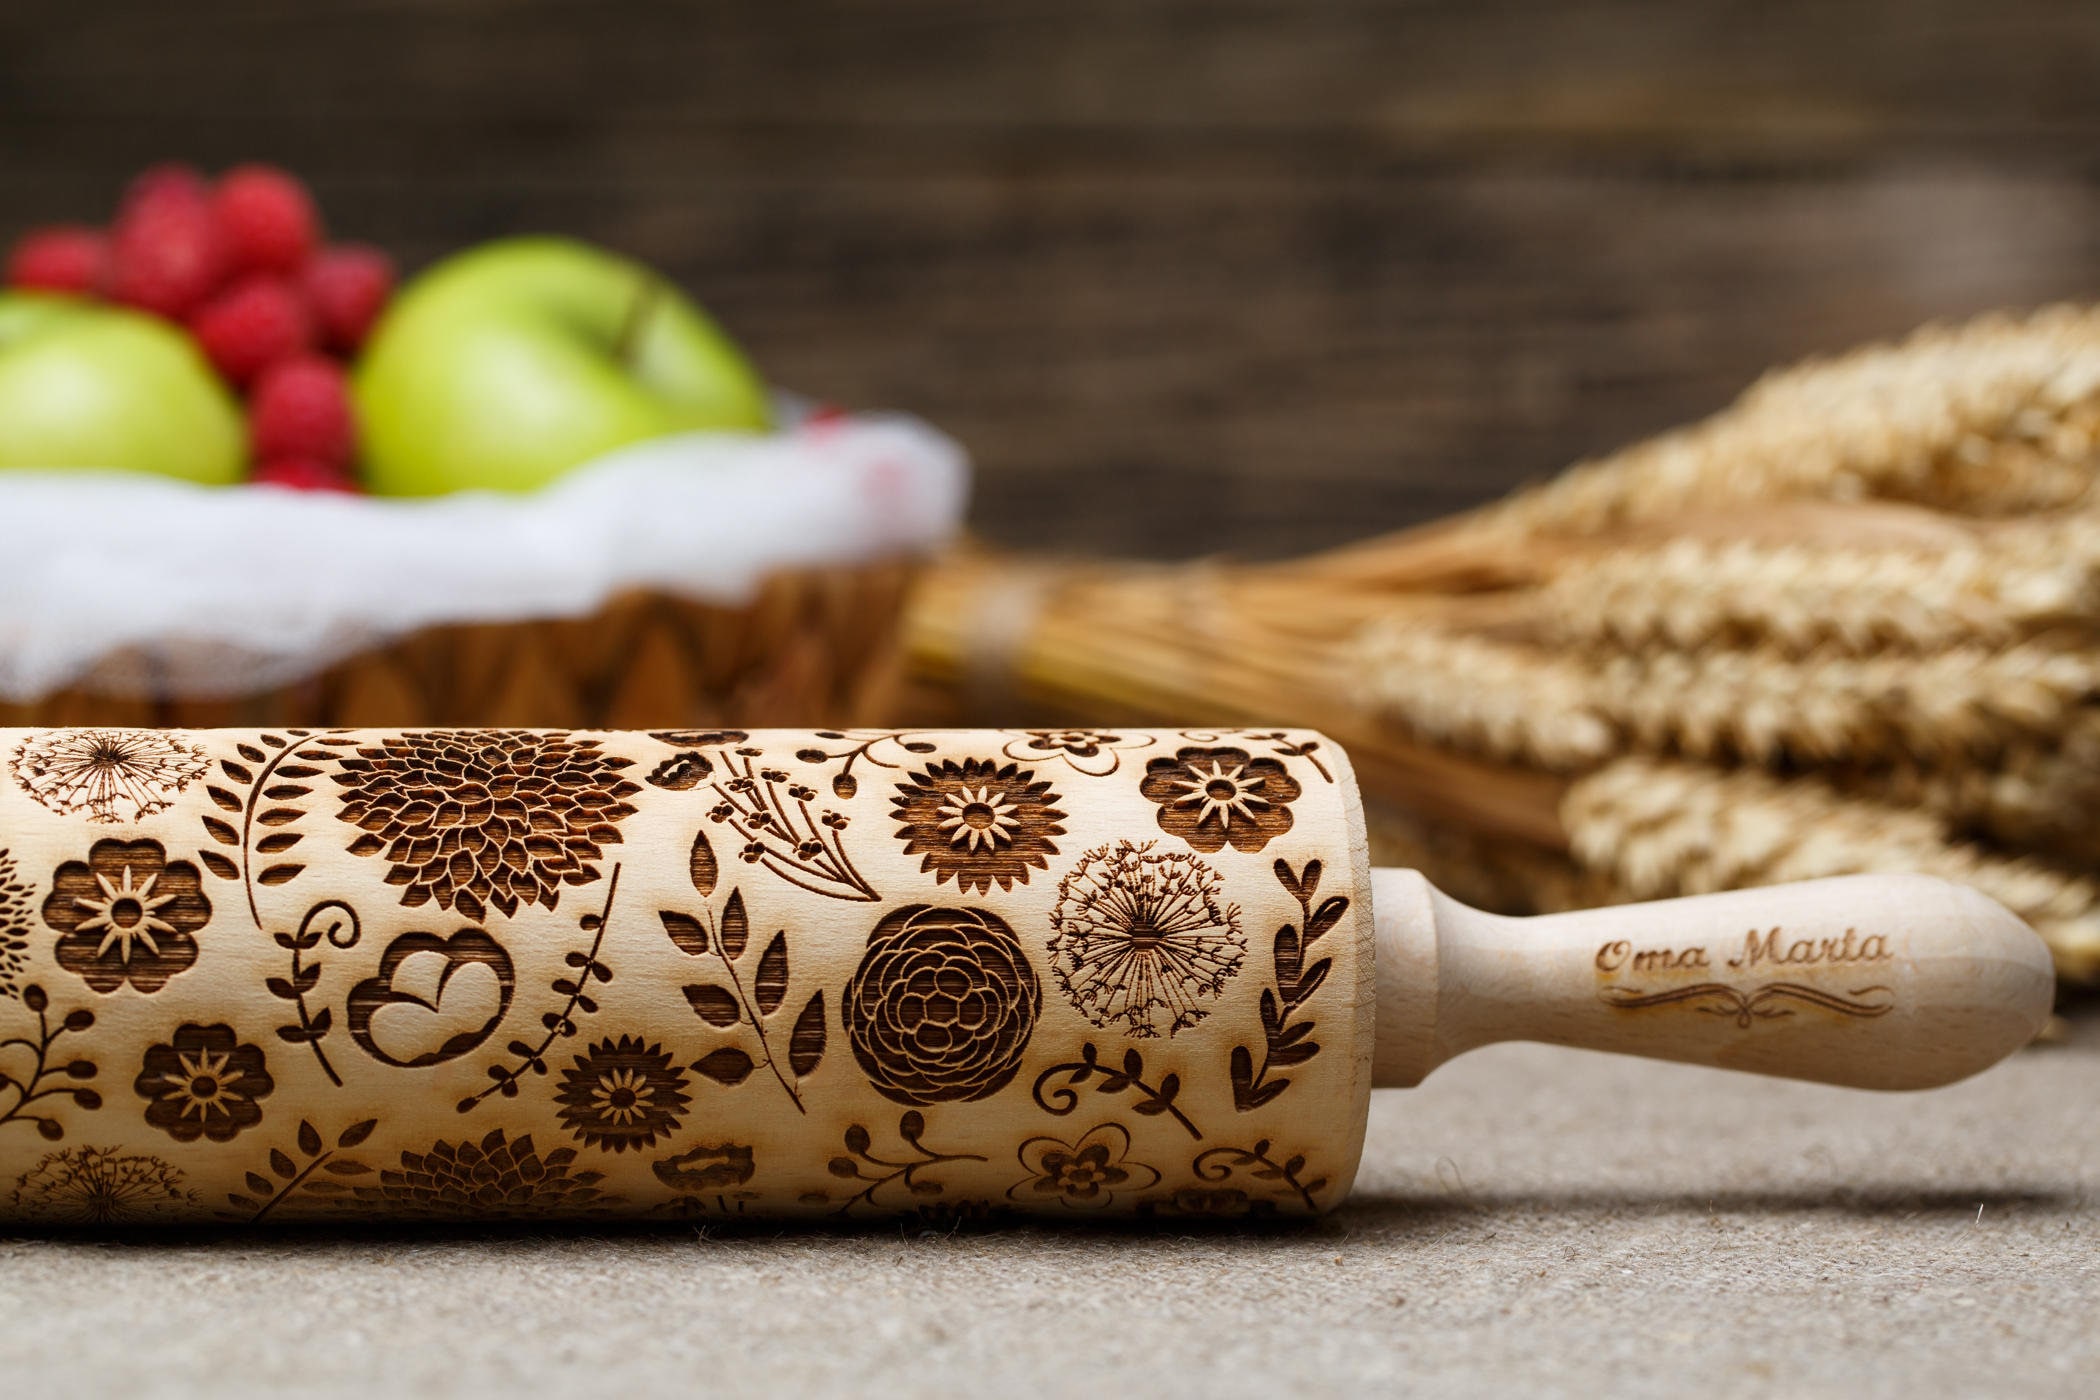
(1529, 1222)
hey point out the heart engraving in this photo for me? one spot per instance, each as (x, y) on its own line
(433, 999)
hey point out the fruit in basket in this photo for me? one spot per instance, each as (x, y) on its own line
(240, 263)
(505, 366)
(95, 387)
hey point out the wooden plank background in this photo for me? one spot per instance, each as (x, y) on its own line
(1186, 275)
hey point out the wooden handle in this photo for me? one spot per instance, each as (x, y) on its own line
(1874, 981)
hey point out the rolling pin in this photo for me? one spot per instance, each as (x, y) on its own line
(279, 975)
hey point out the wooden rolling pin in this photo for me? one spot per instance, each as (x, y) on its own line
(465, 974)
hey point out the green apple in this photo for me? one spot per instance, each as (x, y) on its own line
(506, 366)
(99, 388)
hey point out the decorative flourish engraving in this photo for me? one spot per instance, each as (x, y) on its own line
(495, 1178)
(911, 1127)
(485, 818)
(622, 1093)
(312, 1027)
(125, 914)
(101, 1186)
(433, 999)
(864, 745)
(263, 774)
(1082, 1175)
(15, 905)
(584, 968)
(35, 1086)
(203, 1083)
(942, 1005)
(1764, 1003)
(1093, 752)
(727, 1008)
(977, 822)
(1141, 939)
(1150, 1100)
(780, 830)
(1285, 1042)
(106, 775)
(265, 1194)
(1212, 797)
(1222, 1163)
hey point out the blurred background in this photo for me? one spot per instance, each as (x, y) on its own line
(1184, 277)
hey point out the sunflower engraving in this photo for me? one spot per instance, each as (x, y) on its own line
(978, 821)
(480, 818)
(126, 914)
(14, 926)
(203, 1083)
(942, 1005)
(1211, 797)
(1141, 939)
(622, 1093)
(109, 775)
(1082, 1175)
(497, 1177)
(100, 1186)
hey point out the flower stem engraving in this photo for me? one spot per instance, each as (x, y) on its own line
(1287, 1043)
(781, 832)
(312, 1026)
(31, 1088)
(911, 1128)
(291, 1175)
(1220, 1163)
(584, 967)
(1149, 1100)
(259, 788)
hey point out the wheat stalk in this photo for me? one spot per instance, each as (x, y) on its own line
(1659, 828)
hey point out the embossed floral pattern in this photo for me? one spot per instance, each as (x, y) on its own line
(100, 1186)
(480, 818)
(706, 1168)
(1210, 797)
(942, 1005)
(622, 1093)
(1094, 752)
(106, 775)
(204, 1083)
(1082, 1175)
(14, 926)
(495, 1177)
(126, 914)
(1142, 939)
(977, 822)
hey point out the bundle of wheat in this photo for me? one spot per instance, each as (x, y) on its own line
(1851, 623)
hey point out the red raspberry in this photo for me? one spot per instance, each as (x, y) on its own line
(169, 182)
(266, 218)
(252, 325)
(61, 258)
(166, 255)
(304, 474)
(301, 408)
(348, 287)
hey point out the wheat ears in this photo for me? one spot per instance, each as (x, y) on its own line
(1850, 623)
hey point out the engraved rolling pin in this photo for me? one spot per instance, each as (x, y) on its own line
(468, 974)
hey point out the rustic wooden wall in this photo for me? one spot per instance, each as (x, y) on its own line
(1187, 275)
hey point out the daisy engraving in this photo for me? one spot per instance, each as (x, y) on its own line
(1142, 940)
(107, 775)
(621, 1094)
(977, 822)
(1211, 797)
(126, 914)
(203, 1083)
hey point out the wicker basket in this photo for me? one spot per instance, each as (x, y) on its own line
(813, 647)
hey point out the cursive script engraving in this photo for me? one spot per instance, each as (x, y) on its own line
(1770, 947)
